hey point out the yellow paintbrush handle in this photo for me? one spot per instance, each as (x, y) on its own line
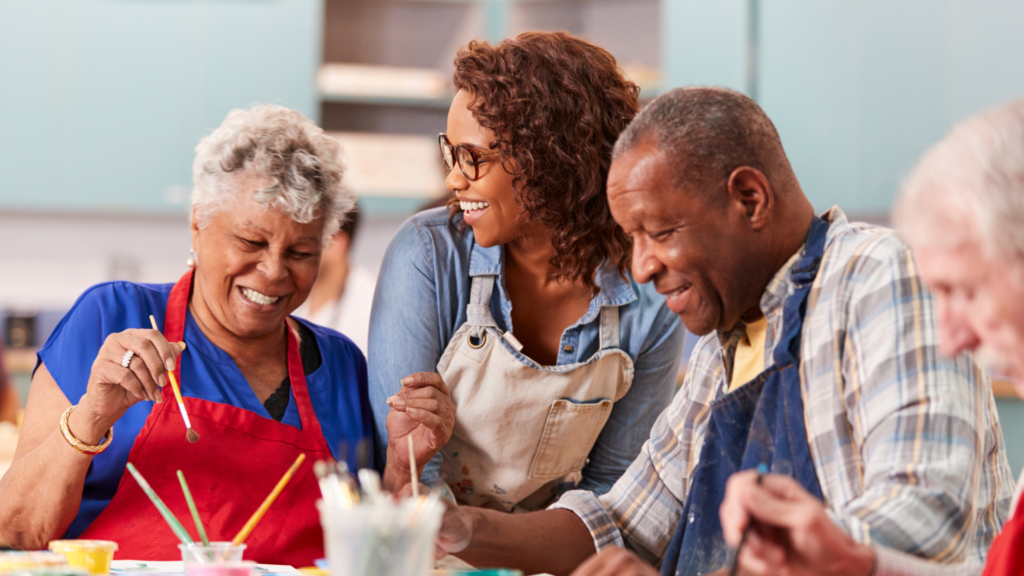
(170, 374)
(244, 532)
(174, 386)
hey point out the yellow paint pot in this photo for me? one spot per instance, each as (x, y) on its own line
(93, 555)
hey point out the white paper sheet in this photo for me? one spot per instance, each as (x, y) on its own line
(146, 568)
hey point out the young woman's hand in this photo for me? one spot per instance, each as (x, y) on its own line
(421, 410)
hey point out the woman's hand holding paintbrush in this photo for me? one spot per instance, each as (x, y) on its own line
(422, 410)
(792, 532)
(119, 380)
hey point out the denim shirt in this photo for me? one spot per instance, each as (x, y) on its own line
(420, 302)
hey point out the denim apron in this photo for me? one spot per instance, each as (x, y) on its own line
(762, 422)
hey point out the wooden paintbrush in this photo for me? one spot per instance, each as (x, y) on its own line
(412, 470)
(191, 434)
(247, 529)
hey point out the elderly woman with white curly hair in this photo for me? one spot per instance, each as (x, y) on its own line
(260, 388)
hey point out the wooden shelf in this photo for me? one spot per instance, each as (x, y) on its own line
(1002, 388)
(440, 103)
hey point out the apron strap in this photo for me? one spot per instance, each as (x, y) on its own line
(804, 272)
(174, 317)
(609, 327)
(478, 311)
(300, 391)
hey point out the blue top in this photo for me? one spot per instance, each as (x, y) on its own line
(420, 303)
(337, 389)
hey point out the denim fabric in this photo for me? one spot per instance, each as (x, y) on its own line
(420, 302)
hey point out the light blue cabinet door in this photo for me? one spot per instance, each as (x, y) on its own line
(704, 43)
(103, 101)
(858, 90)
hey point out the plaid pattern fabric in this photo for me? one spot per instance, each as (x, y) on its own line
(906, 443)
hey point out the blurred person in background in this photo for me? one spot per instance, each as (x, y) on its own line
(260, 387)
(10, 402)
(341, 296)
(518, 298)
(962, 213)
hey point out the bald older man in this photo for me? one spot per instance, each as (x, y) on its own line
(819, 362)
(962, 211)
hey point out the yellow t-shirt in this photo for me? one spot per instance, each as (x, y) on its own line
(749, 359)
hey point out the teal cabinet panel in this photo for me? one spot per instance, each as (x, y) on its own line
(103, 101)
(704, 43)
(858, 90)
(1011, 417)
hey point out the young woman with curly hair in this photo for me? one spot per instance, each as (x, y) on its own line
(515, 305)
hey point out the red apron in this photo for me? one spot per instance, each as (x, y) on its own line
(1006, 556)
(234, 466)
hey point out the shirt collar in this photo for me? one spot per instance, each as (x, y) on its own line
(614, 289)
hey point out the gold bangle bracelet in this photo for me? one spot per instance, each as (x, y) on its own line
(78, 444)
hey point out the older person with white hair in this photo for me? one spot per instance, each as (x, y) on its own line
(962, 213)
(260, 388)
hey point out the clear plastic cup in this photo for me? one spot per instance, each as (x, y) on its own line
(93, 555)
(216, 553)
(221, 569)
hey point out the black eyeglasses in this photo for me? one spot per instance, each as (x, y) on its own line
(467, 158)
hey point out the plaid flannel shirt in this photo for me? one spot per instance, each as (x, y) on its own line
(906, 443)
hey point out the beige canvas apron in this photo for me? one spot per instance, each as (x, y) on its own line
(521, 429)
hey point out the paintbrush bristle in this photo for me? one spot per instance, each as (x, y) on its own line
(192, 436)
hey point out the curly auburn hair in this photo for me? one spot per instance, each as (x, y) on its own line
(556, 104)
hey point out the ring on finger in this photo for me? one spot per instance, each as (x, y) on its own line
(126, 360)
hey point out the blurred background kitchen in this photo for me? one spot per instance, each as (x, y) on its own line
(103, 101)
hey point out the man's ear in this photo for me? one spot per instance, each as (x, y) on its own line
(751, 189)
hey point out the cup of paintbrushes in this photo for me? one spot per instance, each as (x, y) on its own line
(383, 537)
(213, 553)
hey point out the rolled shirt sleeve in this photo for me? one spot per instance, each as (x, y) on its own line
(645, 505)
(654, 382)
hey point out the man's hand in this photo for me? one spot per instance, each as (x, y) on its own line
(793, 535)
(615, 562)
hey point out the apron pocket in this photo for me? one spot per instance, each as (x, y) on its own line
(570, 431)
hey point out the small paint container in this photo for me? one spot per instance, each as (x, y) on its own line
(221, 569)
(14, 560)
(215, 553)
(53, 571)
(93, 555)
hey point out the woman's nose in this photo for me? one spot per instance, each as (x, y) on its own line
(273, 268)
(456, 180)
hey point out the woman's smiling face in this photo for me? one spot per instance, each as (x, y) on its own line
(254, 265)
(488, 203)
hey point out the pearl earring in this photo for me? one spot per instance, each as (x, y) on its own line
(191, 262)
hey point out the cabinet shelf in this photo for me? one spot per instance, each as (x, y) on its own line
(438, 103)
